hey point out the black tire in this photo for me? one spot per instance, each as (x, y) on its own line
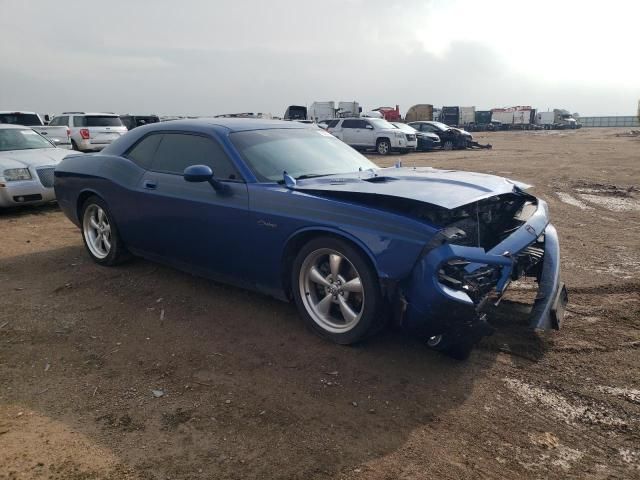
(371, 316)
(447, 145)
(74, 145)
(117, 252)
(383, 146)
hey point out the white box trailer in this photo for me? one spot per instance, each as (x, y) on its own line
(319, 111)
(467, 116)
(520, 117)
(349, 109)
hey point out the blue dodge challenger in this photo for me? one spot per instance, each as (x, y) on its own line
(287, 209)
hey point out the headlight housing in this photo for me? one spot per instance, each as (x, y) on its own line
(14, 174)
(399, 134)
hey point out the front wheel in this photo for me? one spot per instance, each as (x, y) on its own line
(100, 234)
(336, 290)
(383, 146)
(448, 145)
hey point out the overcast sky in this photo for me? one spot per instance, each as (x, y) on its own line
(207, 57)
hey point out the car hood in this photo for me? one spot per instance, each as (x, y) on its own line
(32, 158)
(444, 188)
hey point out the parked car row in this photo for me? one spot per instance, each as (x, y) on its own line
(364, 133)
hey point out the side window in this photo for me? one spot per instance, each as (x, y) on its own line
(78, 121)
(362, 124)
(178, 151)
(350, 124)
(54, 122)
(142, 152)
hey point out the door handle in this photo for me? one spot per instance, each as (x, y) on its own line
(150, 185)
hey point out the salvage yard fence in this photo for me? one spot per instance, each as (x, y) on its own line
(617, 121)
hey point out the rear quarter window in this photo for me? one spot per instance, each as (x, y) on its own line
(142, 152)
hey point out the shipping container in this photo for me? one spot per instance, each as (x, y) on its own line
(422, 111)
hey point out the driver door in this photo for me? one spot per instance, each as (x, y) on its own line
(189, 224)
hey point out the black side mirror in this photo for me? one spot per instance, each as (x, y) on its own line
(203, 173)
(198, 173)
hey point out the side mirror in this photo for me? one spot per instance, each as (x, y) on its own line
(369, 127)
(198, 173)
(203, 173)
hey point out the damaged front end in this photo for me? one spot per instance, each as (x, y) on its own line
(470, 262)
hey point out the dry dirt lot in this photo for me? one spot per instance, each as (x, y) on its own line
(248, 392)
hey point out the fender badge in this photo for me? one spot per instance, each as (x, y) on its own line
(531, 230)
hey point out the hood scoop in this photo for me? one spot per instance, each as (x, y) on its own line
(379, 179)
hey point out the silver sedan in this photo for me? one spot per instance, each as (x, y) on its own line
(27, 162)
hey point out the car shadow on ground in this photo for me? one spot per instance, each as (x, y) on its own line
(168, 371)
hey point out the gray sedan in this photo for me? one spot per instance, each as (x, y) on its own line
(27, 162)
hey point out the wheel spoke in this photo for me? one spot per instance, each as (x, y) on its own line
(348, 314)
(106, 243)
(316, 277)
(100, 215)
(353, 285)
(93, 223)
(334, 265)
(324, 305)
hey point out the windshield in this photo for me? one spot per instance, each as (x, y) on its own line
(21, 139)
(404, 127)
(299, 152)
(380, 123)
(97, 121)
(439, 125)
(26, 119)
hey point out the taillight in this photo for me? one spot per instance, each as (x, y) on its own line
(84, 133)
(68, 132)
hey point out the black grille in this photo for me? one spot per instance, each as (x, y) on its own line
(410, 137)
(46, 176)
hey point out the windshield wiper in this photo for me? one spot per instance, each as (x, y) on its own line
(312, 175)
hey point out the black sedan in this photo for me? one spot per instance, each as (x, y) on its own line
(426, 141)
(450, 138)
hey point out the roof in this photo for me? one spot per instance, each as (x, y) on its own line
(12, 126)
(235, 124)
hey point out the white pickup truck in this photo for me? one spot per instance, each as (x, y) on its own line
(59, 136)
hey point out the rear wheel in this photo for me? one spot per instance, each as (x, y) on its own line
(383, 146)
(336, 290)
(100, 234)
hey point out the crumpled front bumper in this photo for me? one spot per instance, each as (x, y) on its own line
(434, 307)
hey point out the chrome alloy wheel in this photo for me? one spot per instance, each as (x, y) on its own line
(97, 231)
(331, 290)
(383, 148)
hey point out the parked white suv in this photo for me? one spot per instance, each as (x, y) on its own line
(373, 133)
(91, 131)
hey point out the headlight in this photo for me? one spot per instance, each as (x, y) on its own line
(399, 135)
(13, 174)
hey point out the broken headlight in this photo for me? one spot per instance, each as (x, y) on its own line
(476, 284)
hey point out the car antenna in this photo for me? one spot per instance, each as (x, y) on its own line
(289, 181)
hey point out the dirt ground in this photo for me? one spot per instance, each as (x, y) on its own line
(144, 372)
